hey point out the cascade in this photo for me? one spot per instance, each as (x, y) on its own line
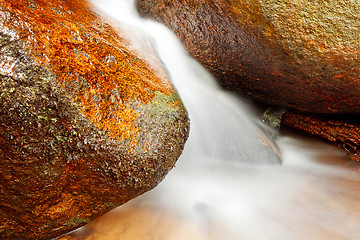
(227, 186)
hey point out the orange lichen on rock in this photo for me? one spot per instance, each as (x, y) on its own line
(86, 125)
(89, 60)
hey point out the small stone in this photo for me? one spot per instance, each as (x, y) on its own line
(272, 116)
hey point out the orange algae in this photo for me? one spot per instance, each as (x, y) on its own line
(89, 59)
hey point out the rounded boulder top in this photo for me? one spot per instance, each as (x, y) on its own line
(86, 123)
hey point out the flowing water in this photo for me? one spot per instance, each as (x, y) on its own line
(227, 185)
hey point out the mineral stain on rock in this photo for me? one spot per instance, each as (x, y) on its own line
(86, 124)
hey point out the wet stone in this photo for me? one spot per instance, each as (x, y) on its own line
(340, 130)
(83, 127)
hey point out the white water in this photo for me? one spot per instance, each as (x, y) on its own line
(214, 193)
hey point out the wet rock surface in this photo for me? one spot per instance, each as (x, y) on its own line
(86, 124)
(343, 131)
(298, 54)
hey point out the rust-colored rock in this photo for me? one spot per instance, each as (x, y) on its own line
(298, 54)
(85, 123)
(343, 131)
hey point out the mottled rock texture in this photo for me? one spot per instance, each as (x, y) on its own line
(85, 123)
(298, 54)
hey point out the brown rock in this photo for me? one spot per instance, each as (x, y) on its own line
(343, 131)
(298, 54)
(86, 124)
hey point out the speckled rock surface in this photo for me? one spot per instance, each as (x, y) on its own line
(86, 124)
(298, 54)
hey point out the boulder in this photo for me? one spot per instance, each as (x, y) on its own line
(302, 55)
(85, 123)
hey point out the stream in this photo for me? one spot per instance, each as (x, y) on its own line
(227, 185)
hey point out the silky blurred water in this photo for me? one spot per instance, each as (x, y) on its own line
(228, 185)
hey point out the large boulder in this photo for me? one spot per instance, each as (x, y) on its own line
(301, 55)
(298, 54)
(85, 123)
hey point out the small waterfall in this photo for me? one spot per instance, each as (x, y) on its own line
(220, 188)
(220, 124)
